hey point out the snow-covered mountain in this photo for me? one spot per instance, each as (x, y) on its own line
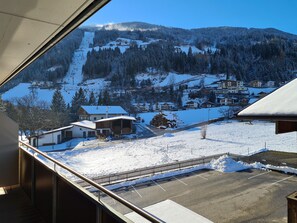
(129, 26)
(125, 56)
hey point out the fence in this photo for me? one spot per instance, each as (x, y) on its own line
(150, 171)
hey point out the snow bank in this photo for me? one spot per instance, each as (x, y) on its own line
(284, 169)
(168, 135)
(227, 165)
(156, 177)
(188, 117)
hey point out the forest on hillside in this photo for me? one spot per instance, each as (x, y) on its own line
(249, 54)
(257, 54)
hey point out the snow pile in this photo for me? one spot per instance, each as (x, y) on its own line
(168, 135)
(227, 165)
(284, 169)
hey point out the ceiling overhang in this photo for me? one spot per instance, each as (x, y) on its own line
(30, 28)
(280, 106)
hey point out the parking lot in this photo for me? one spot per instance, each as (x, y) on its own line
(247, 196)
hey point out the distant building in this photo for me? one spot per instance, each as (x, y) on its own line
(116, 126)
(141, 107)
(208, 104)
(226, 101)
(166, 106)
(270, 84)
(230, 86)
(94, 113)
(191, 105)
(255, 83)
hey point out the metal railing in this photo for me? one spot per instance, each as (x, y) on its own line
(124, 202)
(152, 170)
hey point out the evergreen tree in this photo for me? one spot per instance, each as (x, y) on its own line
(106, 98)
(92, 99)
(59, 115)
(58, 102)
(78, 100)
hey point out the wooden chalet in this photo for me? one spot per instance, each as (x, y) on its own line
(115, 126)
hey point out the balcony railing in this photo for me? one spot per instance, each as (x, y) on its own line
(59, 199)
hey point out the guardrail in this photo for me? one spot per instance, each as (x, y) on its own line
(34, 173)
(153, 170)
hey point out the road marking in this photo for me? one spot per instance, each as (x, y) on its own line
(202, 177)
(136, 191)
(280, 181)
(181, 181)
(260, 174)
(159, 185)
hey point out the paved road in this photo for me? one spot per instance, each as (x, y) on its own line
(249, 196)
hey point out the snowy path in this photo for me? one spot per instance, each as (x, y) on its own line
(74, 74)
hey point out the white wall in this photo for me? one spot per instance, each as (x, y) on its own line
(48, 138)
(78, 132)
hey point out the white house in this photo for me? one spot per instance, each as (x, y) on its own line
(83, 129)
(94, 113)
(52, 137)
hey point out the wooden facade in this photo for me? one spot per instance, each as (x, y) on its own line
(115, 127)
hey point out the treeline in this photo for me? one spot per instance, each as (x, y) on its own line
(272, 58)
(54, 64)
(122, 68)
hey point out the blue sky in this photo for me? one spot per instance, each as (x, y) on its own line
(279, 14)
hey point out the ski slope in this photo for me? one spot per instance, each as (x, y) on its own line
(74, 74)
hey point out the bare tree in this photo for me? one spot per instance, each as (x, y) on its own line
(203, 131)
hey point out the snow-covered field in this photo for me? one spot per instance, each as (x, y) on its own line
(189, 117)
(117, 156)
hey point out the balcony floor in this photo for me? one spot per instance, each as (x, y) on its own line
(15, 207)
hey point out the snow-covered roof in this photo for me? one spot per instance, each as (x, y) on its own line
(85, 124)
(279, 105)
(116, 118)
(56, 130)
(97, 110)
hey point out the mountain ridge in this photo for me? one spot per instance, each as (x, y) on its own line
(248, 53)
